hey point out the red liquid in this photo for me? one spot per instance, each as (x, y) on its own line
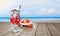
(17, 20)
(12, 20)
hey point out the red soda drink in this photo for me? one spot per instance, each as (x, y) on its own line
(12, 20)
(15, 16)
(17, 20)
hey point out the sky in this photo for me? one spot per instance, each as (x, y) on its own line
(31, 8)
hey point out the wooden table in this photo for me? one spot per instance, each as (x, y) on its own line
(39, 29)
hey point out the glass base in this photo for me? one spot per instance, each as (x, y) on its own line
(15, 30)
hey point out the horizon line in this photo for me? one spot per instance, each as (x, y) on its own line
(28, 17)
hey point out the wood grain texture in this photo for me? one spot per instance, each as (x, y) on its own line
(39, 29)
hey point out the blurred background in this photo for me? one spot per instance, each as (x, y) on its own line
(31, 9)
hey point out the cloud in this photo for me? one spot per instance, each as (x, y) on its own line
(5, 4)
(57, 0)
(46, 11)
(58, 5)
(43, 9)
(24, 12)
(51, 11)
(34, 2)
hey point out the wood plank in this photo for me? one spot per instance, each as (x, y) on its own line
(12, 34)
(53, 30)
(57, 26)
(30, 32)
(5, 29)
(42, 30)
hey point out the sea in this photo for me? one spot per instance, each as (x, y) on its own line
(35, 19)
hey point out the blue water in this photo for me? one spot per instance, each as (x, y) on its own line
(7, 19)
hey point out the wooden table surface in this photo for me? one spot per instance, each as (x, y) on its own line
(39, 29)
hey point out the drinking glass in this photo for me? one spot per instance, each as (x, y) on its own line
(15, 19)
